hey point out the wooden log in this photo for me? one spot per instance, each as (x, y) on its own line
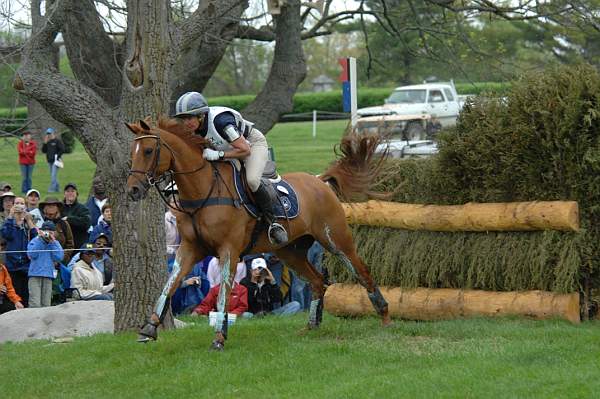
(509, 216)
(446, 303)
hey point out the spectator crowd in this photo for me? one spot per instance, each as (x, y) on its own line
(60, 248)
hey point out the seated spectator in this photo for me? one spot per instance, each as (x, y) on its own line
(192, 290)
(87, 279)
(76, 214)
(214, 272)
(264, 295)
(32, 200)
(300, 289)
(51, 209)
(173, 238)
(9, 299)
(104, 225)
(238, 301)
(18, 230)
(95, 203)
(103, 260)
(44, 250)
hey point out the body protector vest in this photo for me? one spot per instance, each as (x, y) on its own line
(220, 140)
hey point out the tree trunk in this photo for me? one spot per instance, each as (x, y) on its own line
(287, 70)
(139, 232)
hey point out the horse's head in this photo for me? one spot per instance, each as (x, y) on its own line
(150, 159)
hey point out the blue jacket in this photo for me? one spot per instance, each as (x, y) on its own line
(42, 263)
(95, 212)
(17, 238)
(101, 228)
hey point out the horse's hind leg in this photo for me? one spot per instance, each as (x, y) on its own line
(338, 241)
(184, 262)
(295, 256)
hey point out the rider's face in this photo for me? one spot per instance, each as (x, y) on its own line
(191, 123)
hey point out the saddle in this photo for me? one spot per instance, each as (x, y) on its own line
(287, 206)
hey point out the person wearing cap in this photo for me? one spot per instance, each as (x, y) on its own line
(27, 149)
(44, 251)
(18, 230)
(51, 209)
(104, 226)
(7, 200)
(264, 295)
(97, 200)
(87, 279)
(76, 214)
(54, 148)
(5, 187)
(32, 201)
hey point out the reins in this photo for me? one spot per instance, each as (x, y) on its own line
(168, 176)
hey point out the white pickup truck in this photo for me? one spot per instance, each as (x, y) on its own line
(439, 100)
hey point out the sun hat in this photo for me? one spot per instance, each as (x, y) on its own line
(50, 201)
(33, 191)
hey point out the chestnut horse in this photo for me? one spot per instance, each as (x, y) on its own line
(219, 228)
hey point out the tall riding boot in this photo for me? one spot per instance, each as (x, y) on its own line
(265, 199)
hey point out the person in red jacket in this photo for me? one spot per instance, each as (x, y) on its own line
(27, 149)
(238, 301)
(9, 300)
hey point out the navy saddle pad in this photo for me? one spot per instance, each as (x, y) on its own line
(286, 207)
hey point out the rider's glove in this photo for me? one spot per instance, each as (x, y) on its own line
(210, 154)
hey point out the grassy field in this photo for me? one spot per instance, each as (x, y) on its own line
(295, 150)
(346, 358)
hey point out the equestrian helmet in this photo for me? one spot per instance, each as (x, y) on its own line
(191, 103)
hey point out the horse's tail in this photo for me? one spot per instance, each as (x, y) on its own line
(353, 174)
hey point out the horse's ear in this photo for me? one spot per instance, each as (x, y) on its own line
(144, 125)
(134, 128)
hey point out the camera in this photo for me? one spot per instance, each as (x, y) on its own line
(45, 235)
(19, 208)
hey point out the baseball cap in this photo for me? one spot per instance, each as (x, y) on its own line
(88, 247)
(33, 191)
(70, 185)
(50, 130)
(4, 184)
(258, 263)
(48, 225)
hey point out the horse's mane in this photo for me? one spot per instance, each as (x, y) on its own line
(175, 126)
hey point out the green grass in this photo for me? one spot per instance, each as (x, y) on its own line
(295, 150)
(346, 358)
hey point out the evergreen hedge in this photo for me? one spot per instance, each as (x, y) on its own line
(540, 141)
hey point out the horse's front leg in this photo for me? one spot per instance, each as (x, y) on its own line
(184, 262)
(228, 268)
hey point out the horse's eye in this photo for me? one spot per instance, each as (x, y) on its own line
(148, 151)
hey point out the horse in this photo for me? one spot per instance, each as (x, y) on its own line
(211, 222)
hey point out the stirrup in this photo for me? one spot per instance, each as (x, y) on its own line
(275, 230)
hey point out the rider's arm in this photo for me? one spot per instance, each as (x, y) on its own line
(225, 125)
(240, 150)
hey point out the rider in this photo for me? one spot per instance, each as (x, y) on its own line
(231, 136)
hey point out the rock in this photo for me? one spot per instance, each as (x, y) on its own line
(71, 319)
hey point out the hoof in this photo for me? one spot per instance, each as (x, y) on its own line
(387, 322)
(144, 339)
(217, 346)
(313, 326)
(148, 332)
